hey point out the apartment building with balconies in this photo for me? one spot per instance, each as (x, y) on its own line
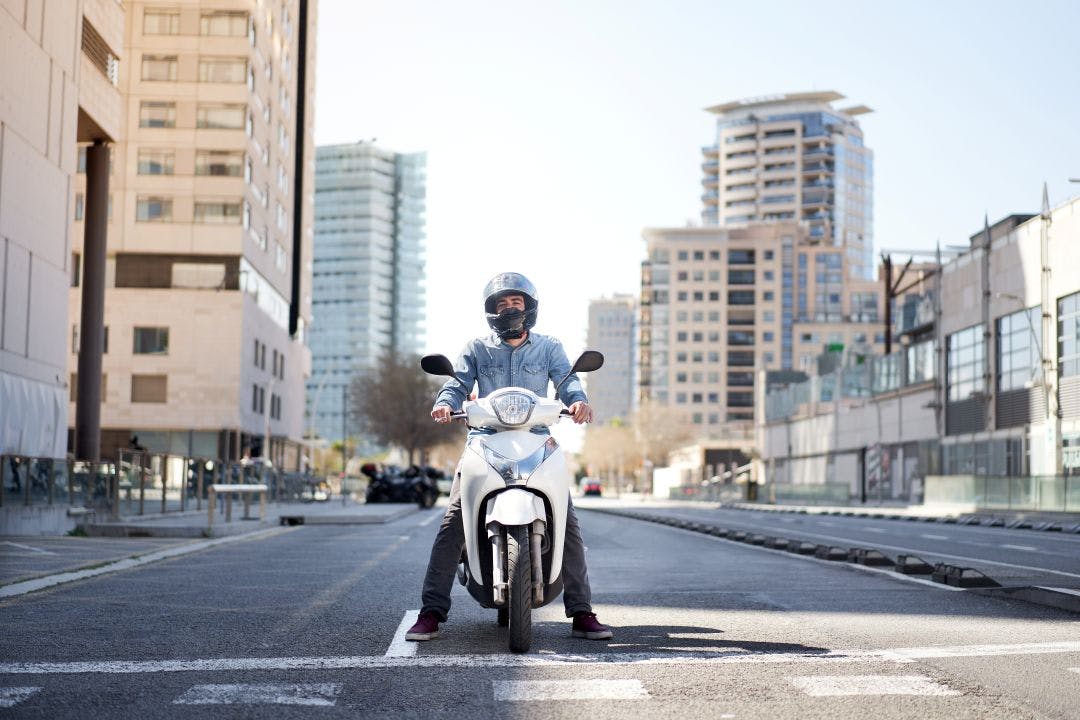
(208, 276)
(793, 158)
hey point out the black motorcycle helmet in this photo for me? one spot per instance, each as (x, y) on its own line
(511, 323)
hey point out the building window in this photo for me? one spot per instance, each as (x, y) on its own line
(149, 388)
(217, 212)
(254, 398)
(219, 162)
(155, 114)
(740, 277)
(740, 399)
(966, 356)
(1068, 326)
(79, 207)
(740, 297)
(223, 117)
(222, 69)
(157, 21)
(225, 23)
(1019, 339)
(153, 209)
(151, 341)
(740, 257)
(161, 68)
(156, 162)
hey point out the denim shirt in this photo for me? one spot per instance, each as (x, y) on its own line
(493, 364)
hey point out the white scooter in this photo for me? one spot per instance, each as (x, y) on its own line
(515, 488)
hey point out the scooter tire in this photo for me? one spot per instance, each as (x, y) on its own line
(519, 592)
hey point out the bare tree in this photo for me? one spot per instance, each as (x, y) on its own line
(392, 403)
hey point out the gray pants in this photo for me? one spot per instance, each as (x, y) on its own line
(446, 554)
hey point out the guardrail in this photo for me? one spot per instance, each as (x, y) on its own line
(138, 482)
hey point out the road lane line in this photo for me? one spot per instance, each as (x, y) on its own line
(277, 694)
(846, 685)
(1028, 548)
(27, 547)
(364, 662)
(928, 536)
(12, 696)
(29, 586)
(1075, 670)
(856, 542)
(399, 646)
(533, 690)
(433, 518)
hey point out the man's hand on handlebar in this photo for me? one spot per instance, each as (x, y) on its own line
(441, 413)
(581, 412)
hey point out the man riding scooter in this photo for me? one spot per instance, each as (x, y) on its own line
(511, 356)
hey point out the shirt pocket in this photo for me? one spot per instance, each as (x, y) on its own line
(534, 371)
(489, 370)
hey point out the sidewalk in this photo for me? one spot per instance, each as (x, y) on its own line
(196, 523)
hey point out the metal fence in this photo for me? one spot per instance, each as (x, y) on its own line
(138, 482)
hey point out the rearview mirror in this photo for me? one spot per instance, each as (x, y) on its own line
(437, 365)
(587, 362)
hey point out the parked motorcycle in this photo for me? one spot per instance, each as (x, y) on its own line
(515, 489)
(393, 484)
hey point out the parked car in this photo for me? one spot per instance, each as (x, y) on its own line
(390, 483)
(590, 487)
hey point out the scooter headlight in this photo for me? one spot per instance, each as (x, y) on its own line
(512, 408)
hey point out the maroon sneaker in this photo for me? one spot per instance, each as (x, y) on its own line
(425, 628)
(587, 626)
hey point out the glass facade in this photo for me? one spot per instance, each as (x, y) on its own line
(966, 362)
(368, 270)
(1019, 339)
(1068, 327)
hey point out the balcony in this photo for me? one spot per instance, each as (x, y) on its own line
(711, 166)
(710, 151)
(710, 198)
(820, 183)
(818, 153)
(817, 168)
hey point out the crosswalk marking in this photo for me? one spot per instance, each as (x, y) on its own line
(530, 690)
(269, 694)
(504, 660)
(841, 685)
(12, 696)
(399, 646)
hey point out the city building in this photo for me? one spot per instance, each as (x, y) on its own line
(794, 158)
(207, 276)
(613, 331)
(720, 303)
(368, 293)
(61, 66)
(980, 405)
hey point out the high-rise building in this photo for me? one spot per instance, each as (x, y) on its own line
(207, 294)
(794, 158)
(368, 270)
(613, 331)
(58, 86)
(719, 303)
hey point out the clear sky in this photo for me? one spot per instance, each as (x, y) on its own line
(557, 131)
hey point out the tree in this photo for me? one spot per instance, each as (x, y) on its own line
(392, 403)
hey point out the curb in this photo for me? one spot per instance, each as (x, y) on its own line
(950, 576)
(1066, 527)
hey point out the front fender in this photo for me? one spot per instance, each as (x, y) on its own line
(514, 507)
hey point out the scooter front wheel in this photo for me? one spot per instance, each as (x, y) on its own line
(519, 595)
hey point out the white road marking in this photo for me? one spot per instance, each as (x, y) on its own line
(434, 516)
(276, 694)
(838, 685)
(28, 586)
(27, 547)
(928, 536)
(363, 662)
(530, 690)
(1075, 670)
(1028, 548)
(1067, 591)
(874, 530)
(12, 696)
(399, 646)
(854, 542)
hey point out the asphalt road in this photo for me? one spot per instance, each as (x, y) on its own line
(1010, 556)
(308, 622)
